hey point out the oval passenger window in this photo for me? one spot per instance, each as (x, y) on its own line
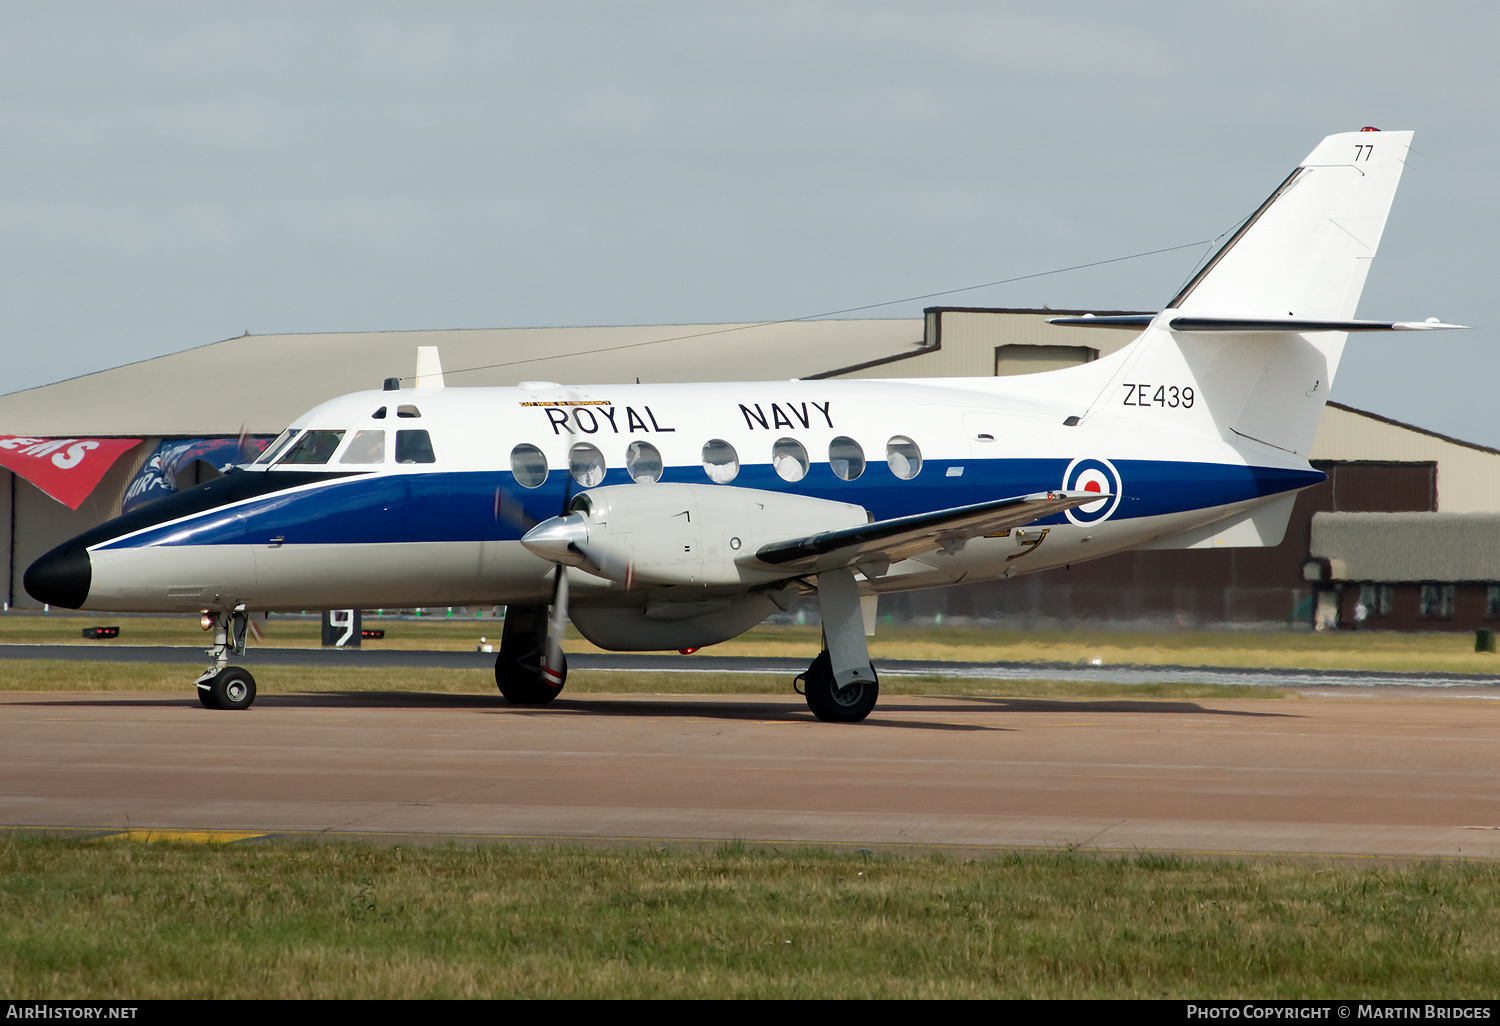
(904, 458)
(528, 465)
(846, 458)
(789, 459)
(720, 462)
(586, 464)
(643, 463)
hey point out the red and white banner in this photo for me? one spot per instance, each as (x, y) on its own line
(67, 469)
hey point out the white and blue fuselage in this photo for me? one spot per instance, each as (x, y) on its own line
(345, 531)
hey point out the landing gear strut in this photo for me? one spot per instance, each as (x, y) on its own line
(841, 685)
(518, 665)
(222, 686)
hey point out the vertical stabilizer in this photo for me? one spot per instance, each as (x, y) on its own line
(1299, 261)
(1306, 251)
(429, 367)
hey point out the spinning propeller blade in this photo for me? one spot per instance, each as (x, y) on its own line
(554, 663)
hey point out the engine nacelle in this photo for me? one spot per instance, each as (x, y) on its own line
(679, 625)
(683, 533)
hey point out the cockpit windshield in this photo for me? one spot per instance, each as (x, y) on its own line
(314, 447)
(275, 448)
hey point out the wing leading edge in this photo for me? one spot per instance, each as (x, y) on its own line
(903, 537)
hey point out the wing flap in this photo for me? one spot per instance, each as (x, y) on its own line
(903, 537)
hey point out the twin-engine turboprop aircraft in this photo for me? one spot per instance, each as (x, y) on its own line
(677, 516)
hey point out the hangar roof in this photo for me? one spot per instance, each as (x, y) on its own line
(262, 382)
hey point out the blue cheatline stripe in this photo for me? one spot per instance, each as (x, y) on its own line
(490, 506)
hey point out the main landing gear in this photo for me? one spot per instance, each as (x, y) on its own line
(840, 686)
(223, 686)
(519, 665)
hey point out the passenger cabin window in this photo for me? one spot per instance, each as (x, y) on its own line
(313, 448)
(846, 458)
(528, 465)
(586, 464)
(407, 410)
(789, 459)
(414, 446)
(643, 463)
(720, 462)
(276, 448)
(903, 457)
(365, 447)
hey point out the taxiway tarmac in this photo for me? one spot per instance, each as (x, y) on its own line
(1378, 773)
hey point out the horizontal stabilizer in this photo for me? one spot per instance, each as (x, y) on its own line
(1135, 322)
(903, 537)
(1248, 325)
(1281, 325)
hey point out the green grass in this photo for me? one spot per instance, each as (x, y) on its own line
(1446, 652)
(127, 920)
(84, 675)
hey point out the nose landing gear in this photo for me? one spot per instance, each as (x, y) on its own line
(222, 686)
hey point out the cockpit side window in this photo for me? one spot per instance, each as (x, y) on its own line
(365, 447)
(407, 410)
(275, 448)
(312, 448)
(414, 446)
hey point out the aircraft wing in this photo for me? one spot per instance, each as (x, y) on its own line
(903, 537)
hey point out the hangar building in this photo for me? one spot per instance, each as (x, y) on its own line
(1395, 538)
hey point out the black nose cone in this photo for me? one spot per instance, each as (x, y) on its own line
(61, 577)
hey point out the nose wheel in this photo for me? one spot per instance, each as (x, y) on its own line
(222, 686)
(231, 688)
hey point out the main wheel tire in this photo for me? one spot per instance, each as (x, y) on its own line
(523, 685)
(232, 688)
(837, 705)
(518, 664)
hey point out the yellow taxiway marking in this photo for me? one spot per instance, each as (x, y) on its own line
(192, 836)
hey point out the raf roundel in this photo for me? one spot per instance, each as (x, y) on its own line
(1091, 475)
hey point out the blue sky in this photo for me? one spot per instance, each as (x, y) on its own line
(179, 173)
